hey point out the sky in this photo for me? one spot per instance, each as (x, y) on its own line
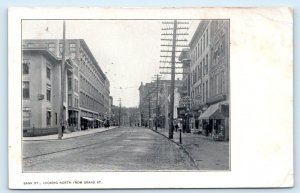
(128, 51)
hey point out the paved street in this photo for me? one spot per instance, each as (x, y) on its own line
(125, 148)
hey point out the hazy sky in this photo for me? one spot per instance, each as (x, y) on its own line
(128, 51)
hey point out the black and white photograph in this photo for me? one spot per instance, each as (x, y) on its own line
(143, 98)
(125, 95)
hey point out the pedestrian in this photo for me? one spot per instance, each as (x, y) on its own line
(206, 129)
(176, 126)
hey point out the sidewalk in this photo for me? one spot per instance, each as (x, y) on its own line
(68, 135)
(206, 153)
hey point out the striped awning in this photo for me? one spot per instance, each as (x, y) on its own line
(212, 112)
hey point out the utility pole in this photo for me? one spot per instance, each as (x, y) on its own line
(149, 100)
(62, 119)
(156, 108)
(120, 106)
(175, 33)
(171, 108)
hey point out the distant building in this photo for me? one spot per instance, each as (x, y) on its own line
(148, 98)
(165, 101)
(87, 87)
(110, 107)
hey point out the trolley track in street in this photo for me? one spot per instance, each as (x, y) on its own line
(30, 160)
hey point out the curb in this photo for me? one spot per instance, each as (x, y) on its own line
(180, 145)
(69, 137)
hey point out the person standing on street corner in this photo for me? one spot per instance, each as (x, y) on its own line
(176, 124)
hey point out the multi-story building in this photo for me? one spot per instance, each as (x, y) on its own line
(165, 100)
(87, 87)
(147, 102)
(41, 91)
(209, 72)
(148, 98)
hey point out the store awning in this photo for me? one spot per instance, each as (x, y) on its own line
(98, 120)
(212, 112)
(88, 118)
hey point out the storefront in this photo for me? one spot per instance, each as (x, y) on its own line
(73, 120)
(97, 123)
(86, 123)
(214, 121)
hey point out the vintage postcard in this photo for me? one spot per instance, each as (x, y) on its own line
(150, 97)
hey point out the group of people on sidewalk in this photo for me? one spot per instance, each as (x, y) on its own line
(216, 132)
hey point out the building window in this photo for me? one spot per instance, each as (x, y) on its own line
(223, 81)
(55, 118)
(26, 90)
(206, 90)
(76, 85)
(204, 66)
(204, 42)
(70, 100)
(25, 66)
(48, 117)
(60, 48)
(48, 73)
(76, 102)
(211, 87)
(51, 47)
(200, 92)
(70, 83)
(200, 70)
(72, 47)
(30, 45)
(201, 46)
(26, 116)
(48, 92)
(206, 37)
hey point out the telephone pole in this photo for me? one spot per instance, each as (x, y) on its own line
(156, 108)
(62, 119)
(149, 100)
(174, 29)
(120, 106)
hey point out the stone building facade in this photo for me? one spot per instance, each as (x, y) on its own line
(87, 87)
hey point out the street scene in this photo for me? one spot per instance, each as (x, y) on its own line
(125, 95)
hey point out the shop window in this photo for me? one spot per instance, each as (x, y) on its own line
(26, 90)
